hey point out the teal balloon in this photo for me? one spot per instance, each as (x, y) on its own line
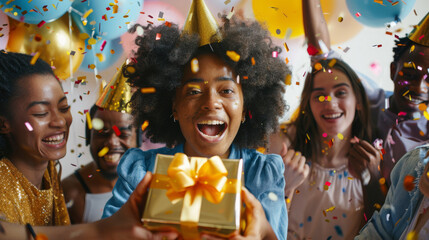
(103, 20)
(36, 11)
(109, 58)
(374, 14)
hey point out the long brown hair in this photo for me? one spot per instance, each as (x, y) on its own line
(307, 137)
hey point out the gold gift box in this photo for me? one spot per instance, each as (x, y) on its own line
(222, 219)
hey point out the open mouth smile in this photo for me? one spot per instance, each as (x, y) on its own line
(332, 116)
(211, 129)
(55, 139)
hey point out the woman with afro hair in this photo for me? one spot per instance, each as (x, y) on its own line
(222, 98)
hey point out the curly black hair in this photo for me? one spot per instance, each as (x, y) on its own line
(401, 45)
(160, 64)
(13, 67)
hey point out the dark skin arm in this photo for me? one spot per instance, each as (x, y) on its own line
(315, 27)
(365, 156)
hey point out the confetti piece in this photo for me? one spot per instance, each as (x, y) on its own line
(317, 66)
(409, 183)
(115, 9)
(233, 56)
(29, 127)
(332, 62)
(41, 23)
(273, 197)
(358, 14)
(253, 61)
(288, 80)
(158, 36)
(340, 19)
(327, 183)
(148, 90)
(330, 209)
(338, 230)
(379, 2)
(92, 41)
(41, 236)
(103, 151)
(321, 98)
(426, 114)
(139, 31)
(103, 45)
(194, 65)
(286, 46)
(100, 57)
(35, 57)
(97, 124)
(86, 14)
(422, 107)
(116, 130)
(88, 120)
(324, 135)
(144, 125)
(274, 54)
(412, 235)
(261, 149)
(340, 136)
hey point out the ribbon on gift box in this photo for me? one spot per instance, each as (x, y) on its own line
(191, 179)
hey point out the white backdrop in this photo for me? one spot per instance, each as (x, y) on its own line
(365, 55)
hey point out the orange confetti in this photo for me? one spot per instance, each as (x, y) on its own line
(317, 66)
(144, 125)
(148, 90)
(288, 80)
(409, 182)
(41, 236)
(253, 61)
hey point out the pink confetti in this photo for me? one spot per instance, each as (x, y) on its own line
(324, 135)
(327, 183)
(29, 127)
(402, 114)
(103, 45)
(275, 54)
(358, 14)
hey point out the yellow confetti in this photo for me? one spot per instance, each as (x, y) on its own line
(83, 36)
(340, 19)
(86, 14)
(321, 98)
(412, 48)
(100, 57)
(35, 57)
(332, 62)
(88, 120)
(131, 69)
(195, 67)
(103, 151)
(426, 114)
(115, 8)
(233, 56)
(288, 79)
(330, 209)
(92, 41)
(148, 90)
(412, 235)
(328, 98)
(193, 86)
(340, 136)
(382, 181)
(144, 125)
(286, 47)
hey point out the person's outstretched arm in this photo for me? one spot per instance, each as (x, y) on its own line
(124, 224)
(315, 27)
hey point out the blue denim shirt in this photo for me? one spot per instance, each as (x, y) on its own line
(263, 174)
(400, 205)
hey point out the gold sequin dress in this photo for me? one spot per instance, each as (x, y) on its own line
(21, 202)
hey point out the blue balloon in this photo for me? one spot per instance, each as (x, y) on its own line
(374, 14)
(106, 20)
(35, 11)
(112, 51)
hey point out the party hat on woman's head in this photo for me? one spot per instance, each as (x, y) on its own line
(201, 21)
(117, 94)
(420, 34)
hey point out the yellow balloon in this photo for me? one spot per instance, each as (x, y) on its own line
(341, 24)
(52, 41)
(283, 16)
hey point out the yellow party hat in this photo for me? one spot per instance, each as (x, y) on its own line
(201, 21)
(117, 94)
(420, 34)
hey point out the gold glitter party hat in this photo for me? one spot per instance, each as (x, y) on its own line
(117, 94)
(420, 34)
(201, 21)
